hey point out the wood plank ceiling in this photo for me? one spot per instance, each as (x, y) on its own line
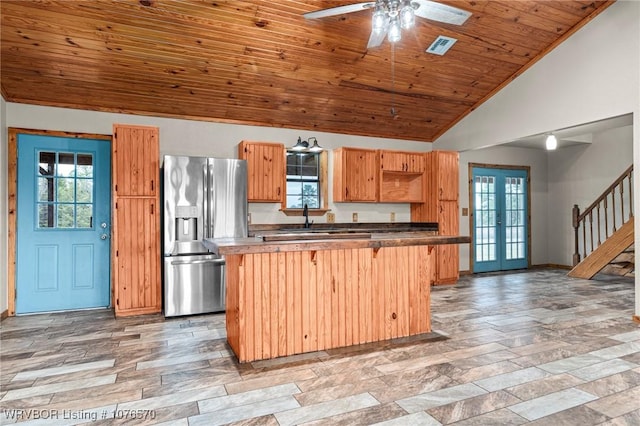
(261, 63)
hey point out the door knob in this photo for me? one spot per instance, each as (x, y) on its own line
(103, 225)
(104, 236)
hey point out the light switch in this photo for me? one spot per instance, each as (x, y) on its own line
(465, 211)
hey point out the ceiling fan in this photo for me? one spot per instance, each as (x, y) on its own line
(391, 16)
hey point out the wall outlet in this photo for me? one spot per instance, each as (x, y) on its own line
(248, 218)
(392, 217)
(354, 217)
(331, 217)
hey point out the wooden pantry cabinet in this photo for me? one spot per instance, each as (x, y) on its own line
(266, 164)
(355, 175)
(136, 220)
(441, 205)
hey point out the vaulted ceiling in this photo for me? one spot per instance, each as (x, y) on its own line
(261, 63)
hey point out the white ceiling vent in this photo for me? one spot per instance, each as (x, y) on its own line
(441, 45)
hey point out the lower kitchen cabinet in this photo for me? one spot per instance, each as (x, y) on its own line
(447, 256)
(136, 254)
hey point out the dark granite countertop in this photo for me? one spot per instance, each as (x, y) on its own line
(371, 227)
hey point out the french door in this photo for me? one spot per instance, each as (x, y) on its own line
(500, 219)
(63, 223)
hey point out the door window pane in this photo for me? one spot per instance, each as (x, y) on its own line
(46, 216)
(65, 190)
(66, 164)
(65, 216)
(46, 163)
(84, 190)
(85, 165)
(84, 214)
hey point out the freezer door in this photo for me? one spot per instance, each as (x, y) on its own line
(193, 285)
(226, 209)
(184, 194)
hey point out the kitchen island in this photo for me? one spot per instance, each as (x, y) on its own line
(304, 293)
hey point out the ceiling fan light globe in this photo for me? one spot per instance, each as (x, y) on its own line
(379, 22)
(407, 17)
(395, 31)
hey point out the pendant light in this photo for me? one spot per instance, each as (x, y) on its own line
(302, 146)
(551, 143)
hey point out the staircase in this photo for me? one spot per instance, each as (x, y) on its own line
(604, 232)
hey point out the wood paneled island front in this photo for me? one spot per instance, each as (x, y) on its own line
(296, 296)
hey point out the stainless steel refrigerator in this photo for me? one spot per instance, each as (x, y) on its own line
(202, 198)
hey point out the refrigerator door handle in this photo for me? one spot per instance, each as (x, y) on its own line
(199, 262)
(205, 197)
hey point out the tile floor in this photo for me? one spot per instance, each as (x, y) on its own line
(532, 347)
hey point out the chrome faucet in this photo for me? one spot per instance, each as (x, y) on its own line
(305, 213)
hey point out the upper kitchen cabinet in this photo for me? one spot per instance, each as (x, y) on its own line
(136, 156)
(266, 170)
(355, 175)
(402, 176)
(402, 161)
(445, 166)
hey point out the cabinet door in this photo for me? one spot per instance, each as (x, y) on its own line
(355, 175)
(135, 160)
(399, 161)
(136, 273)
(447, 175)
(266, 170)
(447, 256)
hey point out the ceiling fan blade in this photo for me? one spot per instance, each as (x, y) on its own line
(440, 12)
(339, 10)
(376, 38)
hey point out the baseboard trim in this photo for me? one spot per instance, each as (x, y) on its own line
(540, 266)
(4, 315)
(551, 265)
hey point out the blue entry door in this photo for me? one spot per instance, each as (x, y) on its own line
(500, 219)
(63, 223)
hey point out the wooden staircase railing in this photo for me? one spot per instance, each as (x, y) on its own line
(610, 210)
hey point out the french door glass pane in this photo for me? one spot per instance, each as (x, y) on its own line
(486, 218)
(514, 219)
